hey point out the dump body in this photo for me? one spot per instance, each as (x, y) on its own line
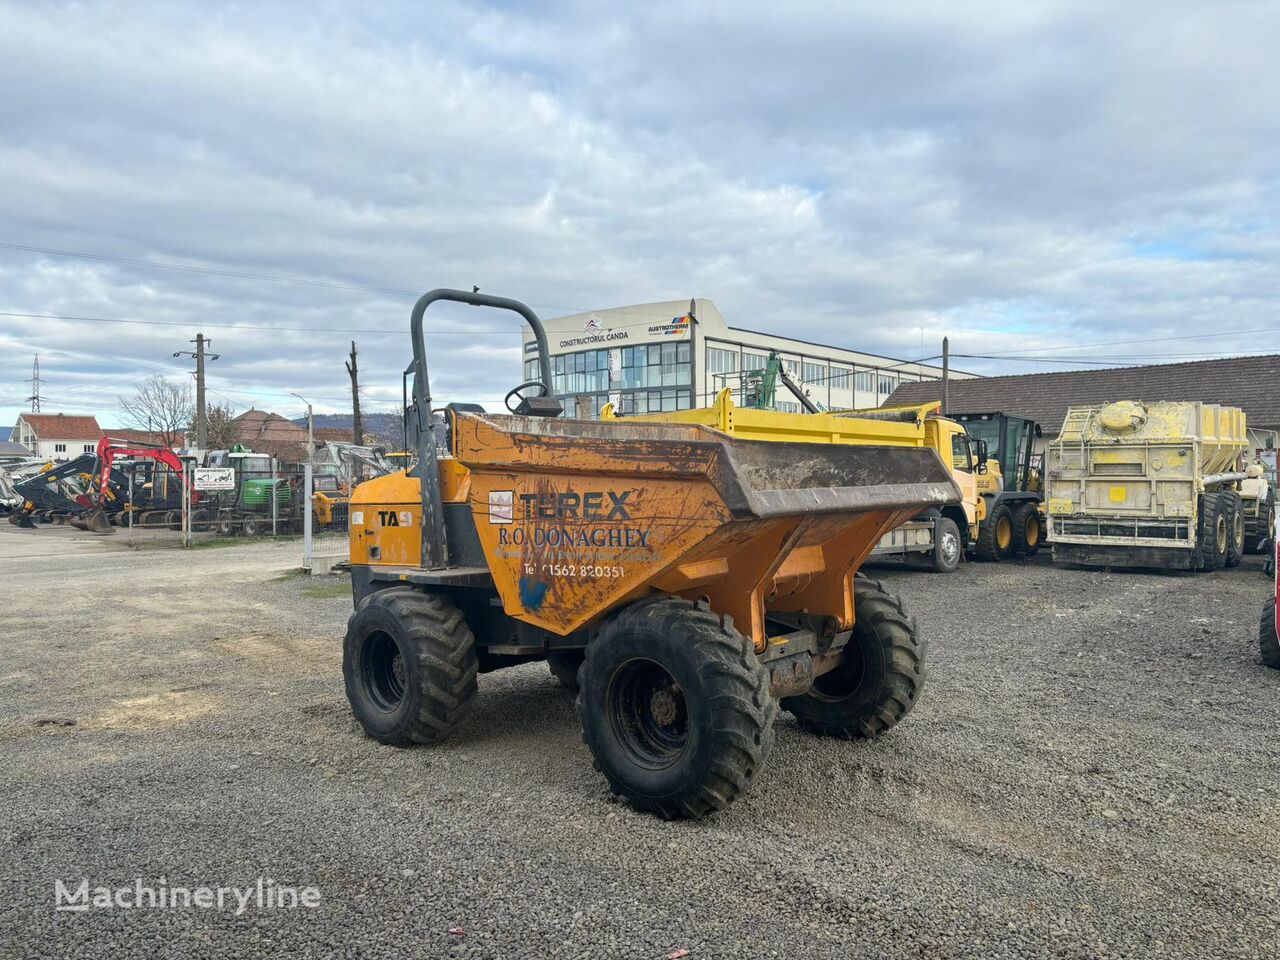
(568, 519)
(1125, 480)
(906, 426)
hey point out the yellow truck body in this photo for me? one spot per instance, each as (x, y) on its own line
(914, 426)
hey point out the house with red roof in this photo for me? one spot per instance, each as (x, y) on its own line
(57, 436)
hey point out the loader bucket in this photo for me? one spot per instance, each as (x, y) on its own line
(576, 518)
(94, 520)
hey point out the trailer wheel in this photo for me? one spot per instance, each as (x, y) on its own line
(251, 527)
(1268, 643)
(879, 679)
(995, 534)
(1211, 539)
(1265, 526)
(675, 708)
(564, 666)
(948, 548)
(1233, 513)
(1026, 529)
(409, 664)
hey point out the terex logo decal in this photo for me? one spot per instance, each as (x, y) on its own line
(573, 506)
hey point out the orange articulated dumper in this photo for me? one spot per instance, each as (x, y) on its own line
(683, 580)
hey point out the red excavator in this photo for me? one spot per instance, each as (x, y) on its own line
(110, 450)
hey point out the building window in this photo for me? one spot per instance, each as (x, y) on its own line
(59, 448)
(864, 381)
(886, 386)
(88, 448)
(754, 361)
(839, 378)
(813, 372)
(786, 406)
(721, 361)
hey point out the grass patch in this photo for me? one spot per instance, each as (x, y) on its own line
(215, 542)
(327, 591)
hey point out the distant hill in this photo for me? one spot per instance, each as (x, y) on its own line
(384, 425)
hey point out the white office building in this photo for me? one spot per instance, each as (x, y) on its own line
(662, 356)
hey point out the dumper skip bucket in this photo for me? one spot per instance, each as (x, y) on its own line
(576, 517)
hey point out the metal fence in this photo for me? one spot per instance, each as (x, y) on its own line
(325, 526)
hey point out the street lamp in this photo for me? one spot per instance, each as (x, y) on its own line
(311, 433)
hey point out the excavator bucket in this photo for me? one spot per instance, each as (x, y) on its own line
(94, 520)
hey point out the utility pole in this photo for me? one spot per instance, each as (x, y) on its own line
(357, 428)
(202, 417)
(946, 373)
(35, 385)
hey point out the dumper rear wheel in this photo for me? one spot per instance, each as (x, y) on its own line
(879, 679)
(409, 663)
(1268, 643)
(675, 708)
(564, 666)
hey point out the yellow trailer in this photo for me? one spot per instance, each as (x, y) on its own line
(1141, 484)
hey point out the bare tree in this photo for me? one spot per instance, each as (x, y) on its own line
(223, 434)
(161, 406)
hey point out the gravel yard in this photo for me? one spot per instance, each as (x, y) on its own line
(1093, 770)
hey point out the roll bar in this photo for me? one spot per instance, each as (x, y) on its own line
(434, 549)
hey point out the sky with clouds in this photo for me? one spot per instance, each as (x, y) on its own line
(1092, 182)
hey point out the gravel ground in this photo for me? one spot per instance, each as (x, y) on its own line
(1093, 770)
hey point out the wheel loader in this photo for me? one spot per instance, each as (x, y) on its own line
(687, 582)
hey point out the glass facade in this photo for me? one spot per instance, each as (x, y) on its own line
(625, 374)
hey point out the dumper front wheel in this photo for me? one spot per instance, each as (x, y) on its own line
(878, 681)
(409, 663)
(675, 708)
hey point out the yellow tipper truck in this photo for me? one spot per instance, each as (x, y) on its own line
(1133, 484)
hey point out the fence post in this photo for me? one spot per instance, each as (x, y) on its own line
(274, 478)
(132, 471)
(186, 505)
(306, 518)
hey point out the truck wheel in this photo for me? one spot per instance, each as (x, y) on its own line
(564, 666)
(1233, 513)
(226, 527)
(675, 708)
(409, 663)
(1026, 529)
(995, 534)
(252, 527)
(947, 546)
(1211, 542)
(879, 679)
(1268, 644)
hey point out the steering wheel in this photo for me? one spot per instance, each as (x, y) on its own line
(518, 393)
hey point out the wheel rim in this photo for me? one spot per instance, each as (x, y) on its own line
(1032, 532)
(1237, 532)
(383, 671)
(1004, 533)
(648, 714)
(950, 547)
(1220, 534)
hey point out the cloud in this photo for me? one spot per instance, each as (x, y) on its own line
(1022, 177)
